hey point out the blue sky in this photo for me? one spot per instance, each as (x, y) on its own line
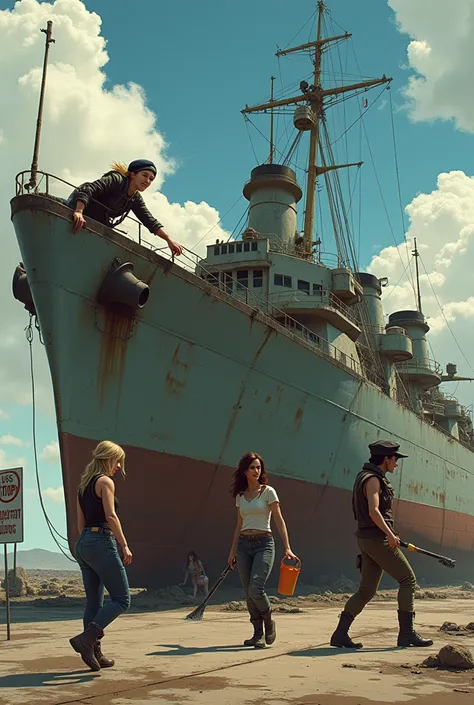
(199, 64)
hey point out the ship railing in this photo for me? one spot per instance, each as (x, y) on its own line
(323, 296)
(267, 307)
(327, 259)
(420, 363)
(46, 181)
(432, 407)
(130, 226)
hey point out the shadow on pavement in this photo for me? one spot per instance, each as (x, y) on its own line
(38, 680)
(178, 650)
(333, 651)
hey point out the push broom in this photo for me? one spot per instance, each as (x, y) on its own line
(447, 562)
(197, 614)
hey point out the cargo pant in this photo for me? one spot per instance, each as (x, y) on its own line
(378, 558)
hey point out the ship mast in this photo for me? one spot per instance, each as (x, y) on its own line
(34, 165)
(315, 95)
(416, 254)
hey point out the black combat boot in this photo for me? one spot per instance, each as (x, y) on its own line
(84, 644)
(341, 638)
(104, 662)
(257, 640)
(407, 635)
(270, 627)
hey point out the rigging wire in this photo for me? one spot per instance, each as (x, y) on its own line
(218, 222)
(444, 317)
(369, 107)
(397, 171)
(244, 215)
(247, 120)
(51, 527)
(406, 267)
(275, 148)
(311, 17)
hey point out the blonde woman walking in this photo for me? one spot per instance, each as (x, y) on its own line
(97, 552)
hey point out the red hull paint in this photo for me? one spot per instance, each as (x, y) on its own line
(171, 504)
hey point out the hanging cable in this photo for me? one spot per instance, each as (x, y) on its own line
(52, 529)
(218, 222)
(444, 317)
(397, 171)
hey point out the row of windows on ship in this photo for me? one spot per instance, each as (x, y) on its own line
(255, 276)
(235, 247)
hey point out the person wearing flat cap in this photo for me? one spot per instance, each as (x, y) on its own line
(110, 199)
(372, 500)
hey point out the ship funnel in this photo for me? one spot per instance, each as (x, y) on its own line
(121, 286)
(273, 193)
(21, 289)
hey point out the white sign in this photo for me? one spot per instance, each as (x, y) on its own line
(11, 505)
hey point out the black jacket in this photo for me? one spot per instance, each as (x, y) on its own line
(108, 202)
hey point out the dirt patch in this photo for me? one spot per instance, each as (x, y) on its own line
(50, 588)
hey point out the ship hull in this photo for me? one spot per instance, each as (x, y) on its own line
(194, 380)
(192, 509)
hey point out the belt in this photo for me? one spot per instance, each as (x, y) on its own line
(99, 529)
(255, 537)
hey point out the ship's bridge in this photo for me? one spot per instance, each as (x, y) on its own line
(311, 292)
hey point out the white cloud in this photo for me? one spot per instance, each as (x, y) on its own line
(55, 494)
(443, 223)
(8, 440)
(7, 461)
(50, 453)
(86, 126)
(441, 54)
(3, 415)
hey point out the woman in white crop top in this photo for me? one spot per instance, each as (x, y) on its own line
(253, 547)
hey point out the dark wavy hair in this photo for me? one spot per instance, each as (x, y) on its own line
(240, 483)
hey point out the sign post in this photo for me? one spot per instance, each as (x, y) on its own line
(11, 519)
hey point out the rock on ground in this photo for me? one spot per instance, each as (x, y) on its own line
(451, 656)
(18, 584)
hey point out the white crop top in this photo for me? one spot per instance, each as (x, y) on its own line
(256, 513)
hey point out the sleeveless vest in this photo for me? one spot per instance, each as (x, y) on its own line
(366, 528)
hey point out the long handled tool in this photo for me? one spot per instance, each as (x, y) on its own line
(447, 562)
(197, 614)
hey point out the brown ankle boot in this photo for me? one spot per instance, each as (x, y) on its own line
(104, 662)
(270, 627)
(257, 639)
(84, 644)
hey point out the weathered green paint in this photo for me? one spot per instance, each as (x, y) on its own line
(202, 376)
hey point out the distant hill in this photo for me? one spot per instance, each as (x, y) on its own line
(40, 559)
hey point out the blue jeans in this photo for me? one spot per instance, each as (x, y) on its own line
(255, 558)
(101, 566)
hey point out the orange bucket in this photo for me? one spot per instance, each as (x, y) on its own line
(288, 577)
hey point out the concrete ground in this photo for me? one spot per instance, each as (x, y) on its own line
(161, 658)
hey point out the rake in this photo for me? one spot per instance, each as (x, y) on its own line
(447, 562)
(197, 614)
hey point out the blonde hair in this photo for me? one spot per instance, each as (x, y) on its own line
(105, 457)
(121, 167)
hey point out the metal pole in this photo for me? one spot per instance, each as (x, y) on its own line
(7, 591)
(34, 164)
(418, 291)
(271, 124)
(14, 559)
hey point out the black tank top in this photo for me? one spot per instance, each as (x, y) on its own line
(92, 506)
